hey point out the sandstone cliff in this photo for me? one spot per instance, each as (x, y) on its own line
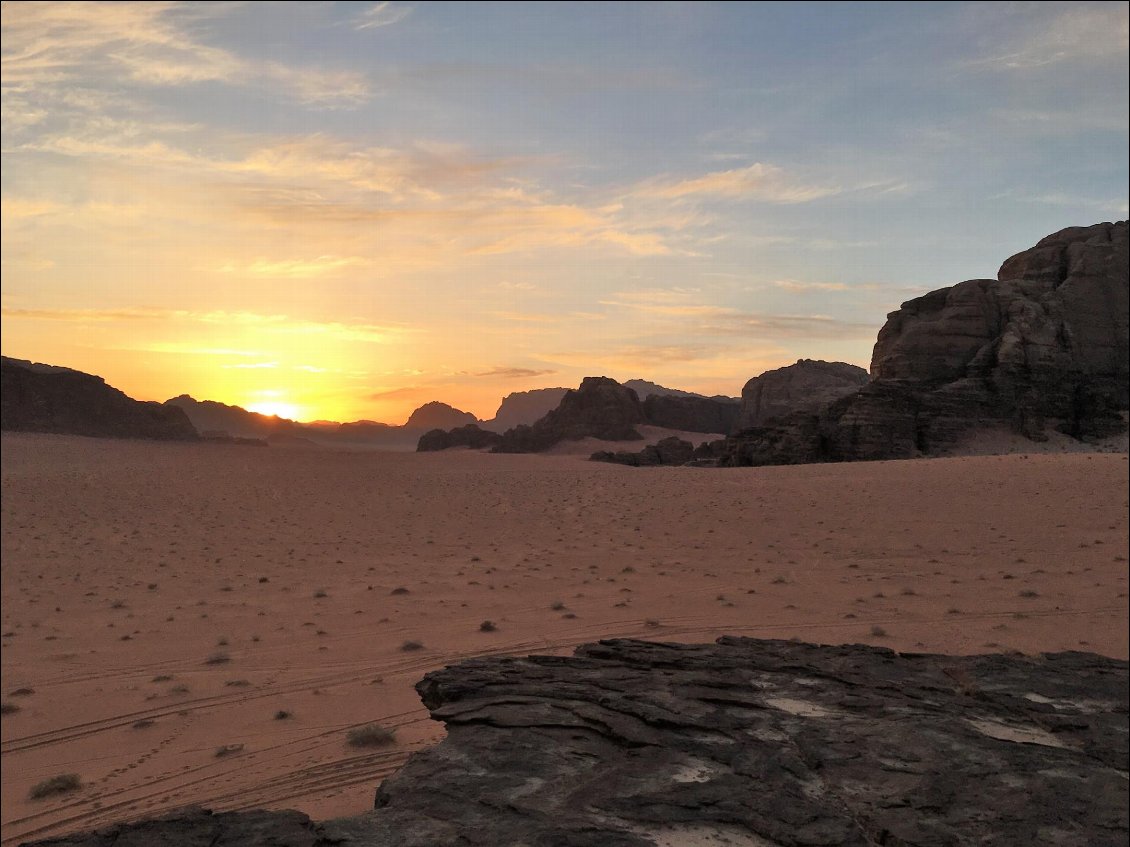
(804, 386)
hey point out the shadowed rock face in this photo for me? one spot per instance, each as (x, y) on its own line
(436, 415)
(805, 386)
(669, 451)
(524, 407)
(691, 414)
(630, 744)
(464, 436)
(600, 408)
(1045, 343)
(43, 398)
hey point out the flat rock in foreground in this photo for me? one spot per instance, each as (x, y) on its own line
(743, 742)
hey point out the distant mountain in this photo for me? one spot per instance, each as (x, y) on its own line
(524, 407)
(210, 417)
(436, 415)
(645, 389)
(219, 419)
(46, 398)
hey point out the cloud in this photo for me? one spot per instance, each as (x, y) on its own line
(1043, 34)
(267, 324)
(799, 286)
(380, 15)
(514, 373)
(294, 268)
(758, 181)
(392, 393)
(51, 45)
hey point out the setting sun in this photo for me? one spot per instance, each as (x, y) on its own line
(274, 407)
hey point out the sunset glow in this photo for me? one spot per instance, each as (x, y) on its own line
(368, 207)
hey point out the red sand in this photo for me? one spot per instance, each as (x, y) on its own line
(127, 565)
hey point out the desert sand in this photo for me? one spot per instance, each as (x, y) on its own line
(161, 601)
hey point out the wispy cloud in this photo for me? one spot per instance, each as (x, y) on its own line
(800, 286)
(294, 268)
(382, 14)
(515, 373)
(271, 324)
(758, 181)
(49, 45)
(1037, 35)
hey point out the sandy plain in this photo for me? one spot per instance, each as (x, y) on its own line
(161, 601)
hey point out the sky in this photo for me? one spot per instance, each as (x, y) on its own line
(344, 210)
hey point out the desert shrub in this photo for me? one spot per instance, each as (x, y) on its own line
(220, 658)
(371, 735)
(64, 783)
(409, 646)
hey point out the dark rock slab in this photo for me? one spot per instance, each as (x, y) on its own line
(196, 827)
(750, 742)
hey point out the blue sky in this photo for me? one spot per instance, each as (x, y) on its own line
(347, 209)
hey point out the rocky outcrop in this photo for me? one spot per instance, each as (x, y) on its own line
(803, 387)
(436, 415)
(691, 414)
(600, 408)
(1044, 344)
(464, 436)
(631, 744)
(46, 398)
(669, 451)
(524, 408)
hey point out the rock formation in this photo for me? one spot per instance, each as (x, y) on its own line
(599, 408)
(631, 744)
(692, 414)
(464, 436)
(45, 398)
(803, 387)
(1044, 344)
(524, 407)
(669, 451)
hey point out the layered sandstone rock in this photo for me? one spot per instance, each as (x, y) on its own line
(637, 744)
(805, 386)
(1044, 344)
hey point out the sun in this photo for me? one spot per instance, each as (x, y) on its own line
(275, 407)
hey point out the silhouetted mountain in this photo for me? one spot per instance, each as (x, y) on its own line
(436, 415)
(645, 389)
(524, 407)
(47, 398)
(212, 418)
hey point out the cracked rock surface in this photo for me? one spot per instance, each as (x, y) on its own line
(747, 742)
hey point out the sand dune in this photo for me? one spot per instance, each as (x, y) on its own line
(163, 600)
